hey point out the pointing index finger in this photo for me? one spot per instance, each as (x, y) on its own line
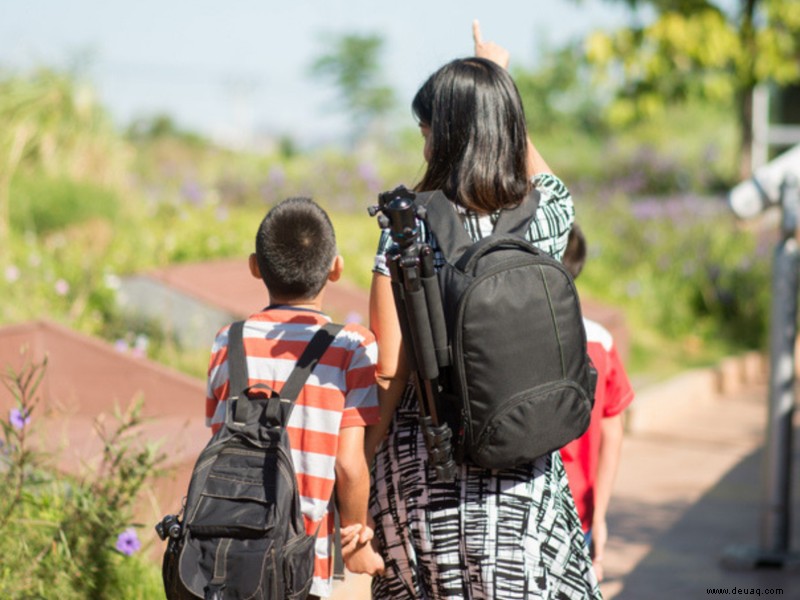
(476, 32)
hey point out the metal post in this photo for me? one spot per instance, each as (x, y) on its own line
(774, 549)
(776, 515)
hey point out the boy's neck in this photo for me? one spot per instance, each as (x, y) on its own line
(313, 304)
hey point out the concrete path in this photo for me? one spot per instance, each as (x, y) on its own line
(688, 491)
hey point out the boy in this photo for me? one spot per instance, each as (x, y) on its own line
(296, 257)
(591, 461)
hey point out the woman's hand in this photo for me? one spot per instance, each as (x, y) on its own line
(489, 50)
(359, 550)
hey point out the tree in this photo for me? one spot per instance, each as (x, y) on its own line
(716, 50)
(352, 64)
(558, 92)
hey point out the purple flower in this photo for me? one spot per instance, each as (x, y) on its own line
(12, 274)
(121, 345)
(354, 317)
(61, 287)
(128, 542)
(192, 191)
(18, 419)
(369, 174)
(276, 176)
(140, 345)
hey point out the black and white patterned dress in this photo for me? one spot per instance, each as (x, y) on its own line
(489, 534)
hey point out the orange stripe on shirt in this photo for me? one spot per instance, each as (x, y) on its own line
(319, 488)
(361, 378)
(313, 441)
(323, 567)
(360, 417)
(326, 525)
(291, 349)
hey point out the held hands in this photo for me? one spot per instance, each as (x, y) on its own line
(358, 550)
(489, 50)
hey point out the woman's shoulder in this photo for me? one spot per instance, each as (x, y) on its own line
(550, 186)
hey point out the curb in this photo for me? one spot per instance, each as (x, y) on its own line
(655, 403)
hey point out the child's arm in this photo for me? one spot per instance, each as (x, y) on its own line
(608, 460)
(352, 496)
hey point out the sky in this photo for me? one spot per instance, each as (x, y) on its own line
(228, 69)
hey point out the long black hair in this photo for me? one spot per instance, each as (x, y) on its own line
(479, 146)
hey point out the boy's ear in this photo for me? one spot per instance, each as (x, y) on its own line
(253, 263)
(336, 268)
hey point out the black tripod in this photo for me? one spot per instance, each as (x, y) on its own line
(419, 309)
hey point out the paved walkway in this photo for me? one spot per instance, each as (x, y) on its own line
(688, 490)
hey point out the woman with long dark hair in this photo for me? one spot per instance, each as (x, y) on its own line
(489, 534)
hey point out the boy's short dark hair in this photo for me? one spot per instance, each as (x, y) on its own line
(575, 254)
(295, 248)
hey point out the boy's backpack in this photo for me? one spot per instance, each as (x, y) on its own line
(242, 533)
(521, 383)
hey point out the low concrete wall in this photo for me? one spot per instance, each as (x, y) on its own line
(657, 402)
(86, 380)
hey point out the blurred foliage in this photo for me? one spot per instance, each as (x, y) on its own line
(61, 536)
(352, 63)
(717, 51)
(50, 123)
(45, 205)
(683, 267)
(558, 95)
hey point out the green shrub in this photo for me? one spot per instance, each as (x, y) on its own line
(44, 205)
(71, 537)
(682, 269)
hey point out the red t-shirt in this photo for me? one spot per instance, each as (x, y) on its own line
(613, 394)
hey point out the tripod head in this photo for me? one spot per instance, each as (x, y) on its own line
(397, 212)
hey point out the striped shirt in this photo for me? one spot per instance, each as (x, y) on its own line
(549, 230)
(341, 392)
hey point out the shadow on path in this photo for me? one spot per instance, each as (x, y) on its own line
(685, 560)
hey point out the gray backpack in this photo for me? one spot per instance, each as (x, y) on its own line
(519, 383)
(242, 534)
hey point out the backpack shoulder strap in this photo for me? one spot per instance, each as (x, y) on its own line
(281, 408)
(517, 220)
(237, 361)
(443, 220)
(311, 356)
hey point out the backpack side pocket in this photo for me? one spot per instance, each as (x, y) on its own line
(298, 566)
(531, 424)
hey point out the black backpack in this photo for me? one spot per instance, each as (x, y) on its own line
(242, 534)
(520, 383)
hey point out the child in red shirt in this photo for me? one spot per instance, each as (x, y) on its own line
(591, 461)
